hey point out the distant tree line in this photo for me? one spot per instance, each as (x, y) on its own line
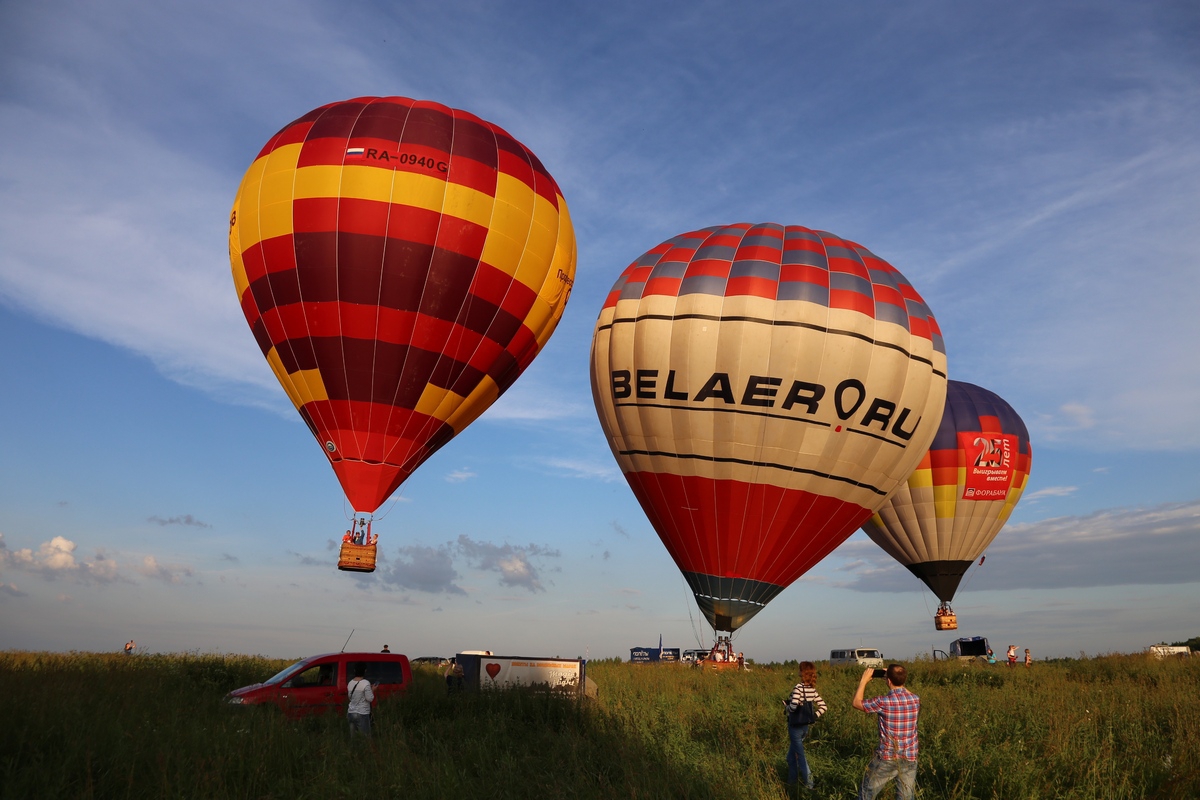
(1193, 643)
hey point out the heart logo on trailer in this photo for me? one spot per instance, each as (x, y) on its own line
(493, 670)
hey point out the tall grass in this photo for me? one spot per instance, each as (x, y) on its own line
(82, 725)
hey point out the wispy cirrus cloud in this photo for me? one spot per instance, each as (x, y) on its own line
(187, 520)
(1051, 491)
(460, 475)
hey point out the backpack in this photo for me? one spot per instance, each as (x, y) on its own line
(805, 713)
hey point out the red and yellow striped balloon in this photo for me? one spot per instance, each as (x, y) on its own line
(763, 388)
(400, 263)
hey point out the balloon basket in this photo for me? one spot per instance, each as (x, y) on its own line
(356, 557)
(946, 622)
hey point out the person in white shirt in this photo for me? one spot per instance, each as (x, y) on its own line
(360, 696)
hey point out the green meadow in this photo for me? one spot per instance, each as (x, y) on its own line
(85, 725)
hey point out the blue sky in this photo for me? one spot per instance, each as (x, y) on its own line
(1035, 172)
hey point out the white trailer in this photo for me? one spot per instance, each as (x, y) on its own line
(1165, 650)
(505, 672)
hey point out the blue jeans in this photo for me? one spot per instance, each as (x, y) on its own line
(880, 771)
(796, 762)
(360, 723)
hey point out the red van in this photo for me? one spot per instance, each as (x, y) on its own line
(317, 685)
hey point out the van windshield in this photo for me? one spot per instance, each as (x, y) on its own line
(282, 676)
(869, 654)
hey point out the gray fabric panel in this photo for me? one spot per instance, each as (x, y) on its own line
(807, 257)
(763, 241)
(794, 233)
(755, 269)
(885, 278)
(835, 251)
(669, 269)
(717, 251)
(918, 309)
(702, 284)
(886, 312)
(850, 283)
(632, 291)
(799, 290)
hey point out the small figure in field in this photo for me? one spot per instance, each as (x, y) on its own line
(130, 646)
(1012, 655)
(803, 707)
(896, 755)
(991, 656)
(454, 676)
(385, 649)
(1028, 658)
(741, 661)
(360, 696)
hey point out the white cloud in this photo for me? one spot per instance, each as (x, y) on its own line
(606, 471)
(1051, 491)
(514, 563)
(425, 569)
(167, 573)
(56, 558)
(460, 475)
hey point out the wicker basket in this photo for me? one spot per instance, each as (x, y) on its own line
(357, 557)
(946, 622)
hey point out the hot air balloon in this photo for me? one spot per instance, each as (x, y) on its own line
(960, 495)
(400, 263)
(763, 389)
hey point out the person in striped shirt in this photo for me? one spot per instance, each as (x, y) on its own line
(896, 755)
(804, 691)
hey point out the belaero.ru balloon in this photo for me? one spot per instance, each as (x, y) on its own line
(763, 388)
(961, 493)
(400, 263)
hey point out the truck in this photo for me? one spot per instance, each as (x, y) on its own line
(653, 655)
(970, 648)
(486, 672)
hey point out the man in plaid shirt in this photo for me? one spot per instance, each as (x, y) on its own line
(896, 755)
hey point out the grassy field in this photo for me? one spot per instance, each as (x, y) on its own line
(83, 725)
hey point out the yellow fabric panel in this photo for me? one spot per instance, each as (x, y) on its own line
(560, 279)
(437, 402)
(509, 224)
(474, 404)
(370, 183)
(322, 180)
(240, 282)
(540, 244)
(246, 201)
(274, 199)
(470, 204)
(922, 478)
(302, 386)
(394, 186)
(945, 498)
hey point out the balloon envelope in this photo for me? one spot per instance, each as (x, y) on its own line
(763, 388)
(959, 497)
(400, 263)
